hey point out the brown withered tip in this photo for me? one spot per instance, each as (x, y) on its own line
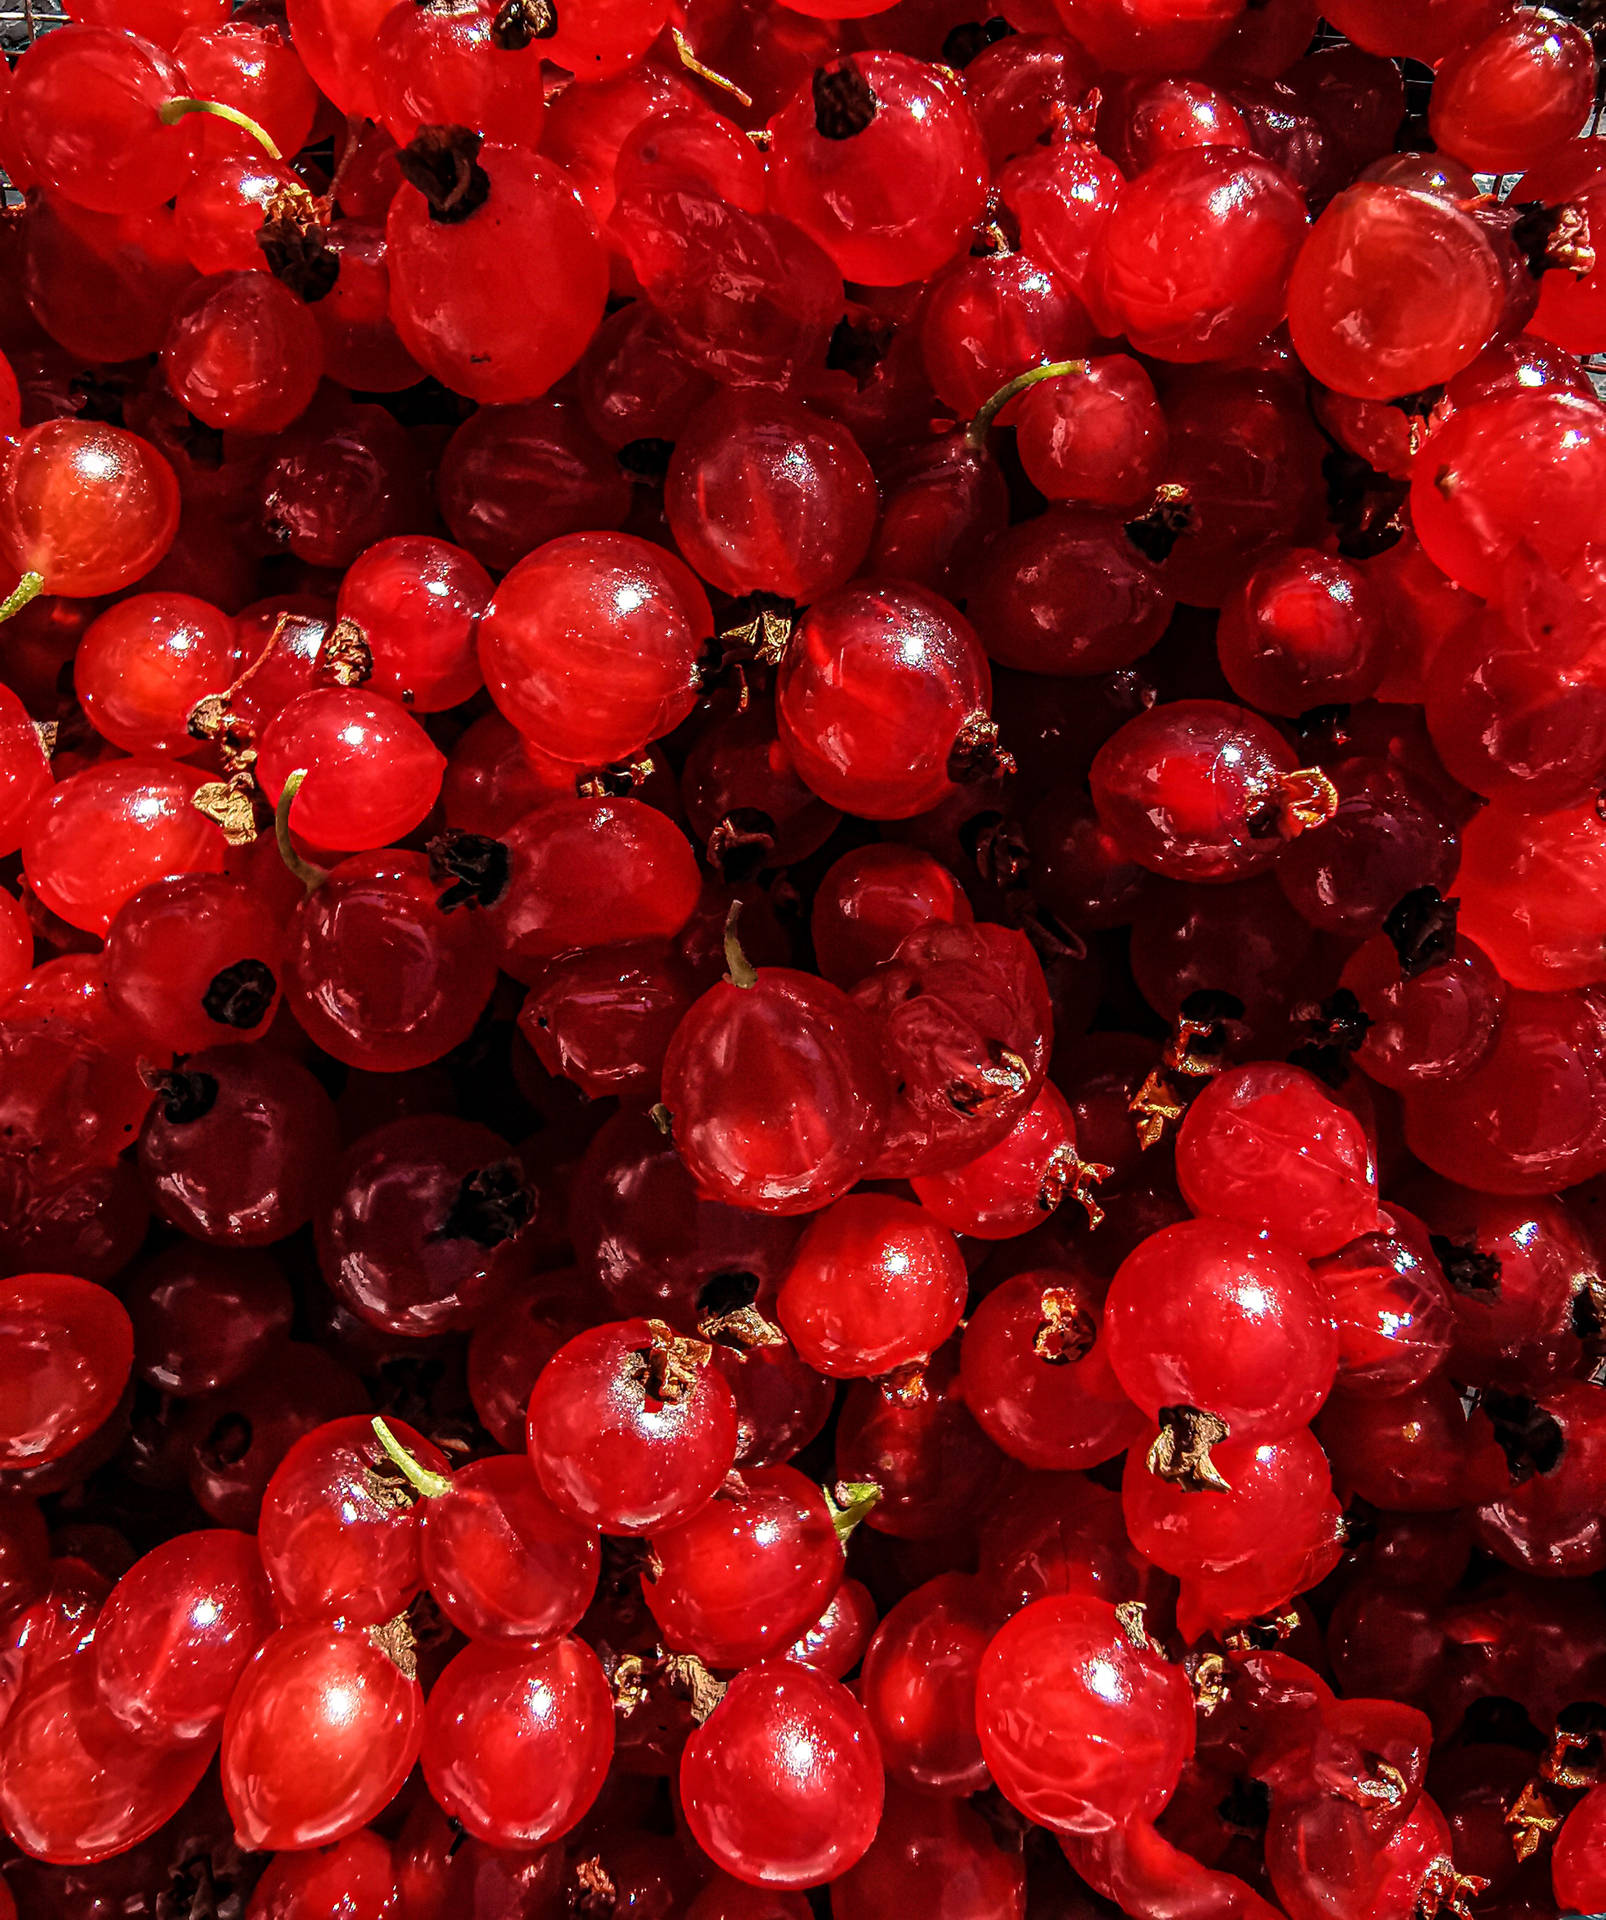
(492, 1205)
(346, 657)
(976, 754)
(740, 844)
(1307, 799)
(1529, 1437)
(1421, 928)
(1065, 1333)
(670, 1363)
(519, 22)
(1530, 1818)
(1070, 1177)
(294, 242)
(1475, 1274)
(394, 1639)
(471, 868)
(1180, 1452)
(1003, 1074)
(443, 164)
(1155, 1103)
(231, 807)
(844, 101)
(1554, 238)
(1156, 533)
(240, 995)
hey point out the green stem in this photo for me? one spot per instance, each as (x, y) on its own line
(979, 428)
(306, 871)
(741, 970)
(430, 1485)
(170, 112)
(29, 587)
(849, 1501)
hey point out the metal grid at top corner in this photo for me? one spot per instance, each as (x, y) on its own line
(22, 20)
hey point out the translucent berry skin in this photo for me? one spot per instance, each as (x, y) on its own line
(1141, 35)
(589, 873)
(355, 1879)
(875, 1283)
(1013, 1186)
(1550, 1523)
(1387, 1297)
(1365, 327)
(1198, 251)
(1519, 470)
(895, 201)
(440, 68)
(1524, 89)
(335, 1544)
(169, 956)
(518, 1740)
(1267, 1146)
(88, 506)
(990, 318)
(919, 1685)
(83, 113)
(737, 1582)
(1205, 1314)
(145, 662)
(248, 62)
(1027, 1387)
(1415, 1452)
(243, 353)
(1532, 1118)
(1183, 786)
(1307, 630)
(1067, 593)
(932, 1856)
(1079, 1727)
(835, 1642)
(345, 476)
(609, 1452)
(246, 1160)
(764, 497)
(871, 899)
(469, 299)
(876, 684)
(1440, 1024)
(1098, 437)
(177, 1630)
(1578, 1858)
(499, 1559)
(418, 603)
(1245, 1551)
(202, 1319)
(372, 773)
(915, 1438)
(403, 1243)
(321, 1732)
(378, 975)
(590, 645)
(68, 1349)
(782, 1784)
(75, 1785)
(790, 1043)
(24, 767)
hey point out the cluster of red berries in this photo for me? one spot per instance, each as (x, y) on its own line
(802, 962)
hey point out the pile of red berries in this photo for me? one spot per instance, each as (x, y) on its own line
(802, 961)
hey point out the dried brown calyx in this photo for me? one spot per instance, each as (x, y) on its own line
(727, 1311)
(1588, 1312)
(1202, 1032)
(1001, 1076)
(1383, 1787)
(1421, 928)
(906, 1385)
(394, 1639)
(346, 657)
(1337, 1027)
(741, 844)
(976, 754)
(518, 22)
(1262, 1634)
(1155, 1104)
(691, 1680)
(1530, 1438)
(1066, 1332)
(844, 101)
(1305, 799)
(670, 1364)
(617, 780)
(184, 1096)
(595, 1895)
(1131, 1616)
(756, 627)
(1070, 1177)
(1209, 1677)
(1475, 1274)
(1180, 1452)
(1530, 1819)
(472, 869)
(1157, 532)
(1577, 1756)
(232, 806)
(492, 1205)
(443, 164)
(240, 995)
(294, 241)
(1553, 238)
(1446, 1893)
(998, 846)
